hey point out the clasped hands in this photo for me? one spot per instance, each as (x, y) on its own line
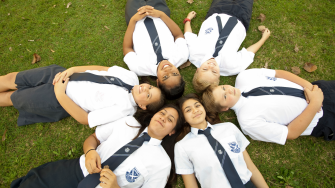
(61, 80)
(146, 11)
(314, 96)
(93, 165)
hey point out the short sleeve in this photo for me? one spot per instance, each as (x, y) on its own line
(196, 55)
(241, 139)
(182, 161)
(182, 50)
(234, 62)
(104, 131)
(142, 66)
(252, 76)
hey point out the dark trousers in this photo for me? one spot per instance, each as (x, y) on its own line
(58, 174)
(326, 124)
(241, 9)
(133, 5)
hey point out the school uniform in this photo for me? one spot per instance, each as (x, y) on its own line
(148, 166)
(143, 61)
(194, 154)
(202, 46)
(266, 117)
(36, 101)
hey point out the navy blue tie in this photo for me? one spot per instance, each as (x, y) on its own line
(92, 180)
(275, 91)
(156, 44)
(224, 159)
(224, 33)
(85, 76)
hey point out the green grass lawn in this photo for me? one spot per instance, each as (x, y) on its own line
(77, 36)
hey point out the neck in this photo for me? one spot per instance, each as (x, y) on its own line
(152, 135)
(202, 125)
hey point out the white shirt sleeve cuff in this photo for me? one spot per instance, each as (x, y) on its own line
(283, 136)
(190, 36)
(184, 171)
(128, 57)
(251, 54)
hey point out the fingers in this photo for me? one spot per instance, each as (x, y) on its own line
(191, 15)
(99, 163)
(56, 78)
(145, 8)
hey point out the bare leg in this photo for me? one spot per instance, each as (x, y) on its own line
(7, 82)
(5, 98)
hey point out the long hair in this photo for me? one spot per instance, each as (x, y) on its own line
(175, 92)
(200, 84)
(168, 142)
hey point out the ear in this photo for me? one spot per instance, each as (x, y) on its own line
(197, 69)
(172, 132)
(143, 107)
(157, 82)
(224, 109)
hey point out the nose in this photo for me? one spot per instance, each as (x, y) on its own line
(162, 118)
(194, 110)
(231, 91)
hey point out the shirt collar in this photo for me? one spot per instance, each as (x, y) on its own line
(132, 100)
(152, 141)
(241, 101)
(195, 130)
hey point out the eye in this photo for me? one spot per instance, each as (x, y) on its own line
(165, 77)
(214, 72)
(150, 87)
(169, 120)
(205, 69)
(162, 113)
(148, 95)
(223, 88)
(225, 96)
(188, 110)
(197, 105)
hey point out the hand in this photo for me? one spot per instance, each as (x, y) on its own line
(154, 13)
(108, 179)
(266, 34)
(139, 15)
(315, 96)
(93, 162)
(64, 75)
(145, 8)
(60, 86)
(191, 15)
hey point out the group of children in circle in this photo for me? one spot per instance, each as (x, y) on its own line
(179, 142)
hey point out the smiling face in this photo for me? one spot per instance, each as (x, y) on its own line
(163, 123)
(194, 112)
(145, 94)
(209, 71)
(167, 74)
(226, 95)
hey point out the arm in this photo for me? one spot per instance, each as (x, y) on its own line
(300, 123)
(293, 78)
(128, 36)
(68, 72)
(188, 27)
(92, 158)
(255, 47)
(189, 181)
(256, 177)
(69, 106)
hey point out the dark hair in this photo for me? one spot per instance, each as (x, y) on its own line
(155, 106)
(211, 117)
(168, 142)
(175, 92)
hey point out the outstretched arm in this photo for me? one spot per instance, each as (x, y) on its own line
(256, 178)
(92, 158)
(255, 47)
(293, 78)
(187, 27)
(69, 106)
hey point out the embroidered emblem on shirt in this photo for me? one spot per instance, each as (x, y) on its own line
(271, 78)
(112, 79)
(220, 152)
(127, 150)
(234, 147)
(156, 44)
(132, 175)
(209, 30)
(272, 90)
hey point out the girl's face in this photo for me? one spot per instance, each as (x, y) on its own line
(163, 123)
(194, 112)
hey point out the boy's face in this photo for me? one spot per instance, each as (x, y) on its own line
(145, 94)
(168, 74)
(209, 71)
(226, 95)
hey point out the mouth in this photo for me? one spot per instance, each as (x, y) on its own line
(165, 66)
(160, 123)
(198, 115)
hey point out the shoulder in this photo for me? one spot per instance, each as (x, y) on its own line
(225, 128)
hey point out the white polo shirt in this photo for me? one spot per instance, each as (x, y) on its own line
(143, 61)
(104, 102)
(150, 162)
(266, 117)
(194, 154)
(202, 47)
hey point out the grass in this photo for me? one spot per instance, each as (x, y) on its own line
(78, 37)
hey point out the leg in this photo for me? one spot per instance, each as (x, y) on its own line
(131, 8)
(7, 82)
(5, 98)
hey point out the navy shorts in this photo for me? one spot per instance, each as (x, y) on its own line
(326, 124)
(241, 9)
(35, 97)
(63, 173)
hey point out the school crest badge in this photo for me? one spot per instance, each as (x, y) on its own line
(132, 175)
(271, 78)
(209, 30)
(234, 147)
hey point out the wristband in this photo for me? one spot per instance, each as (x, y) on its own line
(88, 151)
(186, 20)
